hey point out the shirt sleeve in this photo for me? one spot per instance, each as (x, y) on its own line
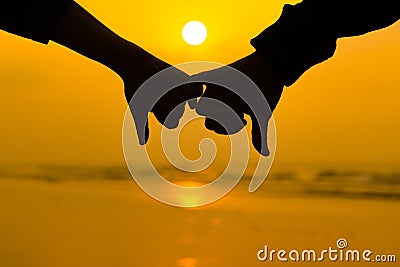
(33, 19)
(306, 33)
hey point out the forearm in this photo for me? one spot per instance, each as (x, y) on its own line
(345, 18)
(306, 33)
(67, 23)
(33, 19)
(83, 33)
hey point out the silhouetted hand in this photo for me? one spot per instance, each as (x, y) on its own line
(84, 34)
(143, 67)
(262, 74)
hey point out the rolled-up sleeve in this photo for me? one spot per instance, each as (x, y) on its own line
(33, 19)
(306, 33)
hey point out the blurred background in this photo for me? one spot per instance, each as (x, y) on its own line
(68, 199)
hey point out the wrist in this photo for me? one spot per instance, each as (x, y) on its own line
(294, 43)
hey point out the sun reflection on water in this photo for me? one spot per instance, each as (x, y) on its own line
(187, 262)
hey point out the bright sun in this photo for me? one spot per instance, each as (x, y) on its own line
(194, 32)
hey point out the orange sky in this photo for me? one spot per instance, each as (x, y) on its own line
(59, 107)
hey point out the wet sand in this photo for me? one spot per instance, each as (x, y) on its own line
(113, 223)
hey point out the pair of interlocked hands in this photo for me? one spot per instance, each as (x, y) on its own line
(170, 106)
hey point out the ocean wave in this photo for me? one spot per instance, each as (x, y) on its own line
(376, 183)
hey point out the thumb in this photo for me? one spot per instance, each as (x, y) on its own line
(259, 135)
(142, 125)
(146, 132)
(191, 92)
